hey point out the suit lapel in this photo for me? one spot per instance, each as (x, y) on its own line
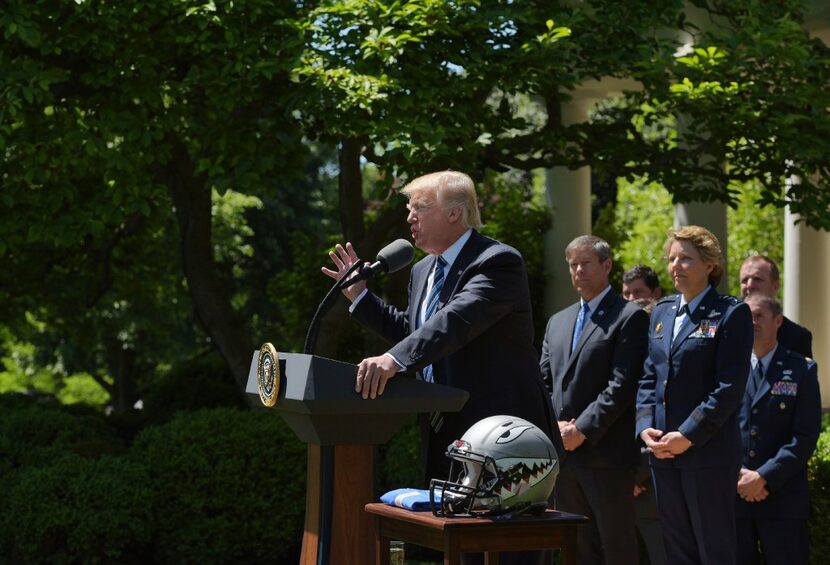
(605, 306)
(419, 287)
(668, 325)
(565, 336)
(468, 253)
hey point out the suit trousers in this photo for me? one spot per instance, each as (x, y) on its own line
(697, 514)
(783, 542)
(648, 525)
(605, 495)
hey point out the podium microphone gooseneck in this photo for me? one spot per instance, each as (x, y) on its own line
(394, 257)
(391, 258)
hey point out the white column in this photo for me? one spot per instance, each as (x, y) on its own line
(806, 283)
(569, 199)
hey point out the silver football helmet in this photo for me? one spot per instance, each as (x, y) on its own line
(506, 465)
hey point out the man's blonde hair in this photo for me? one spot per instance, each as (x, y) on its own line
(452, 189)
(706, 244)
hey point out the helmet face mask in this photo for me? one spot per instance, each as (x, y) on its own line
(501, 464)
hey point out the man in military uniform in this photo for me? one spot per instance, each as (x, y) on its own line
(780, 423)
(759, 275)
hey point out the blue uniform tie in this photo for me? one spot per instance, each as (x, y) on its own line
(758, 374)
(584, 314)
(679, 320)
(432, 305)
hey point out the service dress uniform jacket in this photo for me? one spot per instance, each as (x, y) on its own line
(694, 384)
(480, 339)
(780, 424)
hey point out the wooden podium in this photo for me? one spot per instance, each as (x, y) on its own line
(317, 399)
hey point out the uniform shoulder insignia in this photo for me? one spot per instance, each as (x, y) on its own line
(797, 355)
(666, 299)
(729, 299)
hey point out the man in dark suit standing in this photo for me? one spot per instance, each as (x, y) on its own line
(468, 323)
(780, 423)
(760, 275)
(592, 358)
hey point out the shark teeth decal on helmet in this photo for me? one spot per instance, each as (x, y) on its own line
(522, 477)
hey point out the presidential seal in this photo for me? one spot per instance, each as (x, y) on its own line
(268, 375)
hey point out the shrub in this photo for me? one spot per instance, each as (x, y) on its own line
(200, 383)
(77, 510)
(819, 473)
(229, 487)
(399, 461)
(33, 433)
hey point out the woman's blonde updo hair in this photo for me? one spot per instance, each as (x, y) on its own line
(706, 244)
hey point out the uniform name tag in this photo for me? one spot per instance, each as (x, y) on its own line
(784, 388)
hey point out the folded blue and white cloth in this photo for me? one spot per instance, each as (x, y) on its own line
(410, 498)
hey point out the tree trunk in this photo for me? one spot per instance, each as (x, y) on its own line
(122, 362)
(211, 300)
(367, 240)
(350, 189)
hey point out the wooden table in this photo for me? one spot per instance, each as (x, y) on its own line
(455, 536)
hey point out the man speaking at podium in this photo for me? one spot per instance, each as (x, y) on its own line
(468, 323)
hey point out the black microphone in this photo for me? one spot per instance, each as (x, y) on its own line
(391, 258)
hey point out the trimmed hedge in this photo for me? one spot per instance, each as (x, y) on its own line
(215, 485)
(229, 487)
(33, 433)
(78, 510)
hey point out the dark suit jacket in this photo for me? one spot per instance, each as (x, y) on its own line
(780, 425)
(480, 340)
(597, 383)
(695, 384)
(795, 338)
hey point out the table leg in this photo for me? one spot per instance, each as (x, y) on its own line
(491, 558)
(567, 553)
(381, 545)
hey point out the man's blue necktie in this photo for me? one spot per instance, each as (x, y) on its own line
(432, 304)
(584, 314)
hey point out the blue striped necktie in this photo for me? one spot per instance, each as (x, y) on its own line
(584, 314)
(432, 305)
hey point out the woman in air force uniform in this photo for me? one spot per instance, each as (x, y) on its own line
(689, 398)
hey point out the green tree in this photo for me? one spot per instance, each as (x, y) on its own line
(119, 121)
(751, 101)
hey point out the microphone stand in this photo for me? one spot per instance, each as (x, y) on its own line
(326, 451)
(325, 305)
